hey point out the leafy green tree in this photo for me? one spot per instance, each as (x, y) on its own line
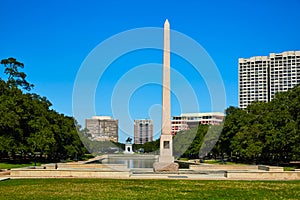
(148, 147)
(264, 132)
(28, 125)
(15, 77)
(187, 144)
(209, 139)
(182, 141)
(233, 122)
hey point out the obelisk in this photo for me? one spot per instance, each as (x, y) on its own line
(166, 159)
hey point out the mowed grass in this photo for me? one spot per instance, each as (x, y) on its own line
(146, 189)
(5, 165)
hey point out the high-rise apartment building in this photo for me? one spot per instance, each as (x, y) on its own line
(253, 80)
(284, 71)
(261, 77)
(102, 128)
(143, 131)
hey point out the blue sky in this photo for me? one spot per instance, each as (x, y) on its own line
(53, 38)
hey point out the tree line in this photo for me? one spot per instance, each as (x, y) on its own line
(29, 128)
(261, 133)
(264, 132)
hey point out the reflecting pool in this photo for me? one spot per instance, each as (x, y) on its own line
(131, 162)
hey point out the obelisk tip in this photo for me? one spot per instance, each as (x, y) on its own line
(167, 22)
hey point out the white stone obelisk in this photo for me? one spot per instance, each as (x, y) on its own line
(166, 159)
(166, 101)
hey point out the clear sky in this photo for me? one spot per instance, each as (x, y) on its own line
(53, 38)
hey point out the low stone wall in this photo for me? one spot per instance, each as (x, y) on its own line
(74, 169)
(212, 167)
(4, 172)
(119, 167)
(133, 156)
(80, 173)
(262, 175)
(270, 168)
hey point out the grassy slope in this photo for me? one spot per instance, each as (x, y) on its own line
(146, 189)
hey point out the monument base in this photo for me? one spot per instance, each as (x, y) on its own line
(166, 149)
(166, 160)
(128, 149)
(165, 167)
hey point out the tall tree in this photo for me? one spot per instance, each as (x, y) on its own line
(264, 132)
(28, 124)
(15, 77)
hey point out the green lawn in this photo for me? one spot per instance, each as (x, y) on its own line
(146, 189)
(4, 165)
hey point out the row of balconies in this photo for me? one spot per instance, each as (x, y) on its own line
(257, 68)
(246, 87)
(252, 88)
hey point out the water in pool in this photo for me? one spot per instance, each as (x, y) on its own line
(131, 162)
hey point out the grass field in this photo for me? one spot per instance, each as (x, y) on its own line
(146, 189)
(5, 165)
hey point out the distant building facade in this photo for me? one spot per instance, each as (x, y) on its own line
(188, 120)
(284, 71)
(102, 128)
(143, 131)
(261, 77)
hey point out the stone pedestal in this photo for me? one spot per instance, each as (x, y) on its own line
(165, 167)
(166, 160)
(128, 149)
(166, 149)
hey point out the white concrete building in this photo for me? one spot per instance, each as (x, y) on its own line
(253, 80)
(261, 77)
(284, 71)
(187, 120)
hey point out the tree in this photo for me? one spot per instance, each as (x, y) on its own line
(148, 147)
(234, 120)
(188, 143)
(15, 77)
(28, 124)
(264, 132)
